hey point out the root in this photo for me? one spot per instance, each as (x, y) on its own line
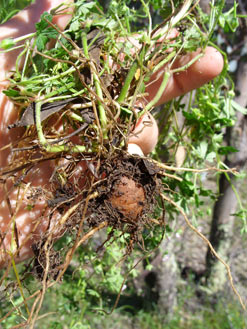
(39, 294)
(209, 245)
(162, 166)
(128, 273)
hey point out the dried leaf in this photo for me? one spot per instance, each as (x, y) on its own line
(95, 48)
(151, 167)
(47, 109)
(180, 156)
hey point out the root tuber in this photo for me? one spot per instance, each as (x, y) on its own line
(128, 197)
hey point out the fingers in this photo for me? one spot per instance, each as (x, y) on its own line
(30, 224)
(21, 24)
(199, 73)
(145, 134)
(24, 23)
(205, 69)
(29, 211)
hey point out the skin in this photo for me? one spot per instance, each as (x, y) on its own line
(198, 74)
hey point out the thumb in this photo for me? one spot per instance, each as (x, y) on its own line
(24, 23)
(145, 133)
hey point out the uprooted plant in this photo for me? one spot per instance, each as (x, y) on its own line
(78, 96)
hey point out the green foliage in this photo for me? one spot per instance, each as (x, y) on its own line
(44, 32)
(229, 20)
(9, 8)
(73, 309)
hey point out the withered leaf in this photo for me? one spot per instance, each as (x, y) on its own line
(107, 79)
(151, 167)
(47, 109)
(95, 48)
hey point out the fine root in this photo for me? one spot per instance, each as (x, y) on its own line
(202, 236)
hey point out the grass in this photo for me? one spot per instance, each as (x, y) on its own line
(223, 315)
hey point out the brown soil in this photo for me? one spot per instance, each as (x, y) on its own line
(124, 198)
(126, 195)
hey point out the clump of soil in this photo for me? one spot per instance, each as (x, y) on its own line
(127, 193)
(128, 197)
(123, 198)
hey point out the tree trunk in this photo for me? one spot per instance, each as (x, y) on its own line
(167, 280)
(226, 205)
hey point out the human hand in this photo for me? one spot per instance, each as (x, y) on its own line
(10, 212)
(28, 225)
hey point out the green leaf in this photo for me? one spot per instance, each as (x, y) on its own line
(42, 24)
(44, 31)
(227, 149)
(238, 107)
(93, 293)
(11, 93)
(74, 26)
(202, 149)
(211, 156)
(7, 43)
(41, 42)
(149, 267)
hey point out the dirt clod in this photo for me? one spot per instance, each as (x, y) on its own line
(127, 194)
(128, 197)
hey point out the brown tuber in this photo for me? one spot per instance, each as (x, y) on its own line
(126, 194)
(128, 197)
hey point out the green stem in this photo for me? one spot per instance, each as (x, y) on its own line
(164, 61)
(165, 81)
(50, 99)
(26, 61)
(158, 94)
(84, 44)
(24, 37)
(43, 142)
(18, 62)
(16, 40)
(132, 71)
(59, 90)
(146, 9)
(102, 114)
(186, 66)
(11, 49)
(42, 81)
(41, 136)
(127, 82)
(127, 24)
(19, 284)
(235, 191)
(76, 117)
